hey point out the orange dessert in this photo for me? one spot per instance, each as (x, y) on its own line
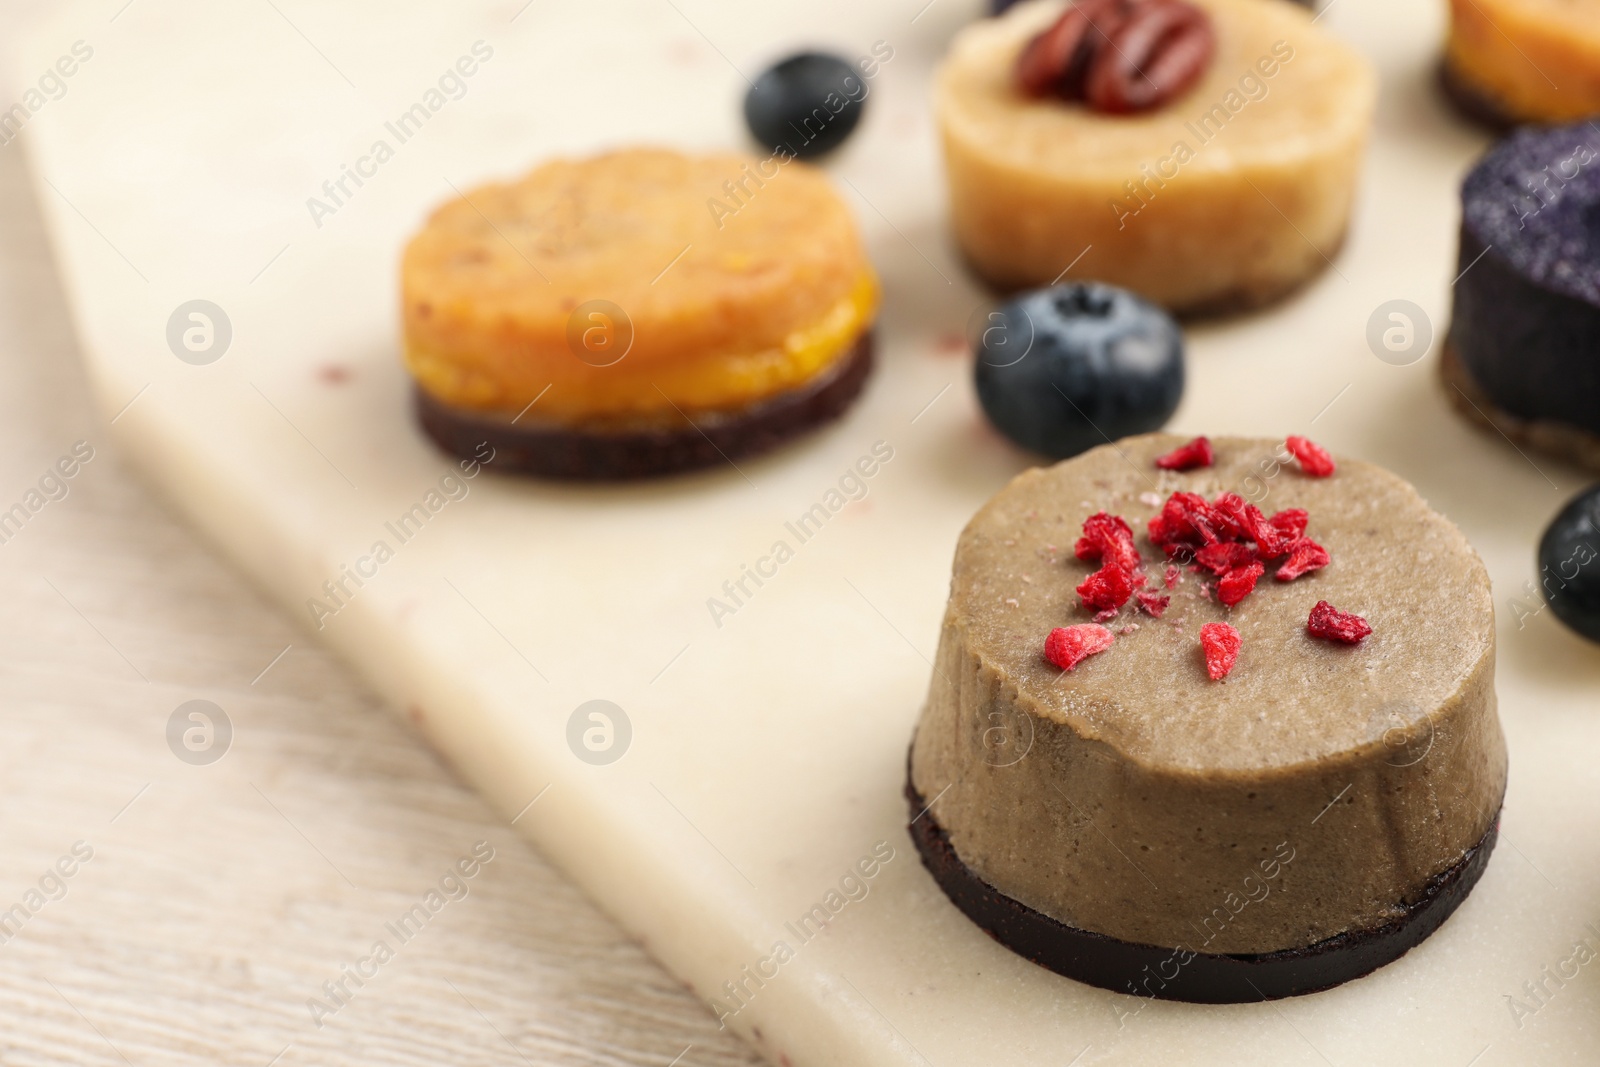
(1519, 61)
(636, 313)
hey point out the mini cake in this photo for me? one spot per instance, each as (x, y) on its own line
(637, 313)
(1177, 747)
(1520, 355)
(1516, 61)
(1223, 183)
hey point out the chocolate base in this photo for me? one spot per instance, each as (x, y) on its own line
(1474, 103)
(623, 450)
(1554, 438)
(1202, 978)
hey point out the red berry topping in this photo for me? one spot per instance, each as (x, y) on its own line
(1305, 556)
(1068, 646)
(1332, 624)
(1221, 645)
(1237, 583)
(1109, 538)
(1172, 576)
(1225, 556)
(1291, 522)
(1107, 589)
(1314, 459)
(1153, 603)
(1231, 515)
(1196, 453)
(1186, 520)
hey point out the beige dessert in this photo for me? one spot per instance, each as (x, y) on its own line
(1229, 195)
(1319, 789)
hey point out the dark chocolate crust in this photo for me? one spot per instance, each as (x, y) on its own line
(619, 452)
(1202, 978)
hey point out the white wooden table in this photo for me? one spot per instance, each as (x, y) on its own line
(220, 898)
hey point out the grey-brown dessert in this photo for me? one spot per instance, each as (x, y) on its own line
(1304, 819)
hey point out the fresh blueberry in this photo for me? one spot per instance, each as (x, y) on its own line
(1569, 564)
(806, 105)
(1062, 370)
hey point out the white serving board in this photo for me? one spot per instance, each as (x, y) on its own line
(767, 754)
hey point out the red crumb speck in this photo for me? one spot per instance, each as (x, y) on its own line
(333, 374)
(1314, 459)
(1173, 576)
(1225, 556)
(1196, 453)
(1107, 589)
(1237, 583)
(1068, 646)
(951, 344)
(1220, 642)
(1330, 623)
(1153, 603)
(1305, 556)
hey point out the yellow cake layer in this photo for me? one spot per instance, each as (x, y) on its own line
(1536, 60)
(713, 381)
(725, 279)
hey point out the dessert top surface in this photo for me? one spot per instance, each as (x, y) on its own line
(1535, 198)
(703, 253)
(1291, 699)
(1276, 87)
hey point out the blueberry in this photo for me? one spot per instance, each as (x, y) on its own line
(1062, 370)
(1569, 564)
(806, 105)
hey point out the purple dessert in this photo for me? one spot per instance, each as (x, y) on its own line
(1524, 347)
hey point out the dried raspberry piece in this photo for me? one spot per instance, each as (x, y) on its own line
(1291, 522)
(1329, 622)
(1173, 576)
(1196, 453)
(1220, 643)
(1225, 556)
(1305, 556)
(1068, 646)
(1107, 589)
(1230, 513)
(1237, 583)
(1314, 459)
(1268, 538)
(1153, 603)
(1185, 520)
(1109, 538)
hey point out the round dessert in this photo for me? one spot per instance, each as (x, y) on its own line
(1061, 370)
(1220, 196)
(637, 313)
(1526, 308)
(1191, 779)
(1516, 61)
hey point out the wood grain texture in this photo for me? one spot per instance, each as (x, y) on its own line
(220, 898)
